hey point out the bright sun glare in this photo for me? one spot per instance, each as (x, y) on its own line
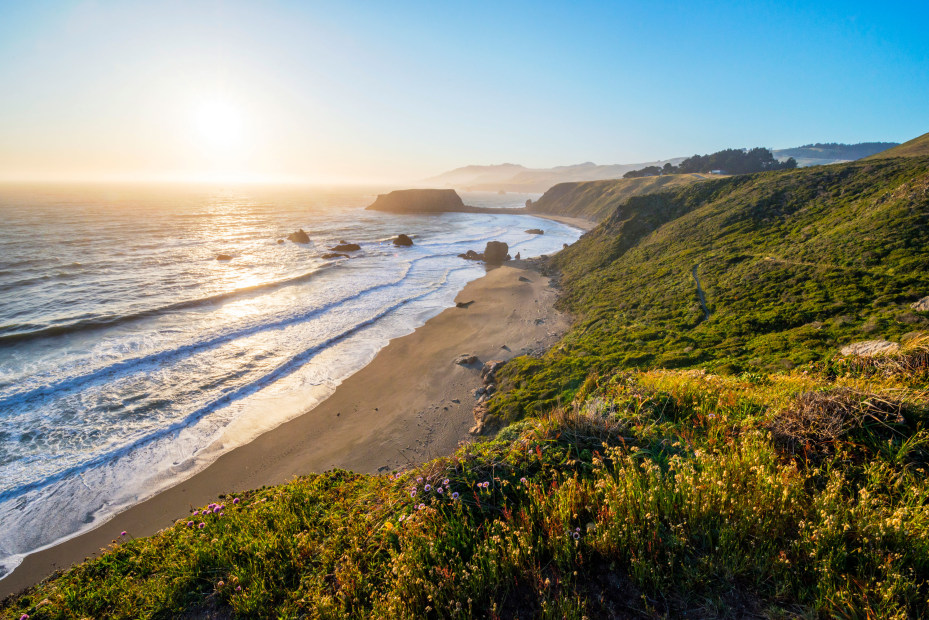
(219, 123)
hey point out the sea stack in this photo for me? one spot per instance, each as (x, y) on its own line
(418, 201)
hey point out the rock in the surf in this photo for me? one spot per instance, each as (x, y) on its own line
(471, 255)
(335, 255)
(223, 257)
(535, 231)
(346, 247)
(403, 240)
(299, 237)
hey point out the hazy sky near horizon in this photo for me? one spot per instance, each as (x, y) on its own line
(399, 91)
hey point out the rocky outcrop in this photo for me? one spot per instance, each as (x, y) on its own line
(346, 247)
(403, 241)
(223, 257)
(418, 201)
(496, 252)
(869, 348)
(535, 231)
(299, 237)
(489, 371)
(466, 359)
(335, 255)
(471, 255)
(484, 421)
(922, 305)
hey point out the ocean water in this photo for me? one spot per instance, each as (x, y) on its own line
(131, 358)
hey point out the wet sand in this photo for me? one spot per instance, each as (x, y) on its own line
(410, 404)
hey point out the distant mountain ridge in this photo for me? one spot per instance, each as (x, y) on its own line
(517, 178)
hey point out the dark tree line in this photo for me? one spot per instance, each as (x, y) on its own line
(729, 161)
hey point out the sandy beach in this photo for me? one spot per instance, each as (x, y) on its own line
(410, 404)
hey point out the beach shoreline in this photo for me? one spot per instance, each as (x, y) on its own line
(412, 403)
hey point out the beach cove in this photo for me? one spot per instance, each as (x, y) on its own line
(410, 404)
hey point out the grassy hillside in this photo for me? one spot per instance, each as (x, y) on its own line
(596, 200)
(917, 147)
(792, 264)
(660, 462)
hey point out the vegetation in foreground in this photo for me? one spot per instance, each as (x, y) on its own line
(653, 493)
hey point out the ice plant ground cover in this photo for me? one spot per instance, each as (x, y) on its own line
(654, 492)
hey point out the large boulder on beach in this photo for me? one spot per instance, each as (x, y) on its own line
(418, 201)
(403, 240)
(495, 252)
(346, 247)
(299, 237)
(535, 231)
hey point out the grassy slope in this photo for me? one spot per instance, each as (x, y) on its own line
(596, 200)
(648, 492)
(917, 147)
(794, 264)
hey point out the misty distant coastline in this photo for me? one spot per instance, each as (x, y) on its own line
(518, 178)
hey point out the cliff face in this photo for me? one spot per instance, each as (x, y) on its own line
(419, 201)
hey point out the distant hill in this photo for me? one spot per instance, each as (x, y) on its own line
(516, 178)
(831, 152)
(917, 147)
(596, 200)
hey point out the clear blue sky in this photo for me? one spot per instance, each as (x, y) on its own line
(400, 90)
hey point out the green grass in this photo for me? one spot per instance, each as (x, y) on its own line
(917, 147)
(793, 264)
(596, 200)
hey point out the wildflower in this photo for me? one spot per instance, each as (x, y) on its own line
(220, 584)
(402, 517)
(24, 617)
(413, 493)
(419, 479)
(216, 509)
(123, 533)
(428, 487)
(576, 535)
(196, 512)
(421, 506)
(238, 588)
(455, 495)
(190, 524)
(523, 480)
(202, 525)
(445, 482)
(440, 490)
(235, 501)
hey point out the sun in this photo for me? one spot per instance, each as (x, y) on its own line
(218, 123)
